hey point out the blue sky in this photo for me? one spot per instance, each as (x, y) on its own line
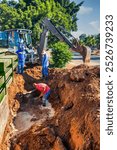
(89, 17)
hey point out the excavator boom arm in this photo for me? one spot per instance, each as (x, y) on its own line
(48, 26)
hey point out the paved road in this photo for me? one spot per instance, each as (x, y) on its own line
(77, 59)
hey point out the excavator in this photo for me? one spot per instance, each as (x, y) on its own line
(64, 36)
(10, 38)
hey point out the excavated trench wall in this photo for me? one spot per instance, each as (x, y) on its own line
(4, 115)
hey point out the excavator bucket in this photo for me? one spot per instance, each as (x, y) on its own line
(85, 51)
(86, 54)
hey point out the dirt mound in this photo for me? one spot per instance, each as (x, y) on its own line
(78, 91)
(75, 98)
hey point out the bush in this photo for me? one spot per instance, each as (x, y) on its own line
(60, 54)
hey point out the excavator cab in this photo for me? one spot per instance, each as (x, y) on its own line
(3, 40)
(11, 38)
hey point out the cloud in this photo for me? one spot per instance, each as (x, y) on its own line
(95, 25)
(77, 33)
(85, 10)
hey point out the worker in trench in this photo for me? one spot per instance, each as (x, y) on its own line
(45, 92)
(45, 64)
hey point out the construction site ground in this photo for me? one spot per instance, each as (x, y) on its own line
(71, 120)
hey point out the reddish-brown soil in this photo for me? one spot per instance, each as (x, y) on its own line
(75, 98)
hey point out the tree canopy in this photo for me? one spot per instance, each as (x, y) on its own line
(71, 8)
(90, 40)
(29, 14)
(60, 54)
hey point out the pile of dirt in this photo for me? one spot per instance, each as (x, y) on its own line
(75, 99)
(78, 116)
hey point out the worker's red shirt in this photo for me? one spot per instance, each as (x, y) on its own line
(42, 87)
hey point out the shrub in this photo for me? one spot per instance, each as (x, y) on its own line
(60, 54)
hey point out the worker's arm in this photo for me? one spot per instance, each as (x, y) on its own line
(41, 94)
(30, 91)
(44, 88)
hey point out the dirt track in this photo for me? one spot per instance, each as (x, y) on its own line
(73, 123)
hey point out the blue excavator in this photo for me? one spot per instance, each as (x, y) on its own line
(10, 39)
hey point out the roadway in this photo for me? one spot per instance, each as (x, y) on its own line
(77, 59)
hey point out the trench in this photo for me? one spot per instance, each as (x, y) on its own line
(31, 112)
(61, 123)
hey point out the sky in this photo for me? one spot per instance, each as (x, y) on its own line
(89, 17)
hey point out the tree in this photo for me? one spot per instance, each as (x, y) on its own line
(72, 9)
(30, 13)
(97, 37)
(82, 37)
(60, 54)
(90, 40)
(9, 17)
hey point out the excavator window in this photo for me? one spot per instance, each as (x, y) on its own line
(3, 39)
